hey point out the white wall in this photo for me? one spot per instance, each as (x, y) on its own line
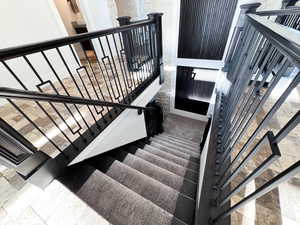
(25, 22)
(99, 15)
(67, 15)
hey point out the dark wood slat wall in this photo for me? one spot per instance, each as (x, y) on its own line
(204, 28)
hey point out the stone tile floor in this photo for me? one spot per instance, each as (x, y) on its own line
(25, 204)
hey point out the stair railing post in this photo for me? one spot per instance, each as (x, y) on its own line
(158, 28)
(246, 8)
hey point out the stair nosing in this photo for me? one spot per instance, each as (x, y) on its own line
(175, 151)
(150, 180)
(183, 149)
(135, 193)
(189, 147)
(188, 161)
(179, 138)
(160, 168)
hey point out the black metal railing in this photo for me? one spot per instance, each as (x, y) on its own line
(60, 96)
(261, 50)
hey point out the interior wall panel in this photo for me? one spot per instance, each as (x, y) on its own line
(204, 28)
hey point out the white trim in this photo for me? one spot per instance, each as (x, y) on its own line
(200, 63)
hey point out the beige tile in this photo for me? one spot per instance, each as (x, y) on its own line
(21, 200)
(68, 210)
(49, 201)
(5, 219)
(90, 217)
(29, 217)
(6, 191)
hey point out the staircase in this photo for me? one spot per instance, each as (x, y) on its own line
(152, 182)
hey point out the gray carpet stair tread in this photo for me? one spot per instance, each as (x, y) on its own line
(193, 148)
(175, 140)
(169, 199)
(165, 164)
(164, 176)
(176, 147)
(120, 205)
(175, 152)
(179, 138)
(171, 157)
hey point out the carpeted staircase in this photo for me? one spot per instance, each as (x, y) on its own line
(151, 182)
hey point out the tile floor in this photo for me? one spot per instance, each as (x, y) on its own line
(26, 204)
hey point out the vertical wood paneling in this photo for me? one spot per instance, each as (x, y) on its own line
(204, 28)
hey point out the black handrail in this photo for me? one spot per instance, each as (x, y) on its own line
(9, 53)
(281, 38)
(279, 12)
(11, 93)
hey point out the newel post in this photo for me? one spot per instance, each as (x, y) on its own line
(246, 8)
(157, 17)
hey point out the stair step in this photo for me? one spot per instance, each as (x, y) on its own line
(179, 138)
(194, 148)
(175, 152)
(117, 203)
(164, 176)
(186, 150)
(165, 164)
(171, 157)
(169, 199)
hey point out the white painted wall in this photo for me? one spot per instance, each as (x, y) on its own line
(25, 22)
(67, 15)
(100, 15)
(126, 128)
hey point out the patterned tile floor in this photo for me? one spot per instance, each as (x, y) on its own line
(25, 204)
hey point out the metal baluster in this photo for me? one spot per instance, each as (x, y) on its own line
(136, 55)
(244, 80)
(276, 79)
(53, 107)
(292, 123)
(146, 50)
(129, 73)
(24, 114)
(116, 74)
(267, 118)
(79, 90)
(66, 91)
(267, 187)
(116, 96)
(140, 53)
(247, 109)
(88, 75)
(125, 78)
